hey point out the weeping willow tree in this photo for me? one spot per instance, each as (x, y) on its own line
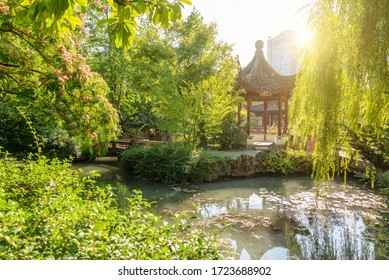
(343, 82)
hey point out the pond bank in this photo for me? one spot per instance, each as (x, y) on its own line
(271, 217)
(179, 164)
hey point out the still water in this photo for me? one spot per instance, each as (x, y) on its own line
(271, 217)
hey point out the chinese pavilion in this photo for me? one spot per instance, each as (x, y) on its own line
(271, 90)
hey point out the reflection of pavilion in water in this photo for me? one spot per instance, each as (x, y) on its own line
(321, 233)
(264, 241)
(215, 209)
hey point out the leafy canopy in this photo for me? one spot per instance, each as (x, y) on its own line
(178, 79)
(42, 68)
(343, 82)
(64, 16)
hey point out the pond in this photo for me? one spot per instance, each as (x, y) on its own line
(271, 217)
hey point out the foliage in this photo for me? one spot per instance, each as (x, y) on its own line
(49, 75)
(343, 77)
(15, 135)
(173, 163)
(197, 113)
(204, 75)
(373, 145)
(57, 143)
(178, 80)
(285, 162)
(118, 68)
(49, 212)
(232, 135)
(41, 65)
(17, 138)
(383, 179)
(63, 17)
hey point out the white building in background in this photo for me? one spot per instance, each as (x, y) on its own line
(282, 52)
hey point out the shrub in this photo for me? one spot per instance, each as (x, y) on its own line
(285, 162)
(172, 163)
(231, 137)
(373, 145)
(16, 136)
(383, 179)
(57, 143)
(47, 211)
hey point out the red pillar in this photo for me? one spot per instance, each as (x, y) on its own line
(248, 115)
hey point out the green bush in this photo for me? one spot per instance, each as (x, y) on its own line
(47, 211)
(231, 137)
(286, 162)
(57, 143)
(372, 145)
(383, 179)
(16, 136)
(173, 163)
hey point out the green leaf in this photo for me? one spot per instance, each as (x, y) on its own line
(106, 21)
(74, 21)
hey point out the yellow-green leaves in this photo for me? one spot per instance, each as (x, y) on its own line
(49, 211)
(50, 16)
(120, 26)
(344, 74)
(57, 17)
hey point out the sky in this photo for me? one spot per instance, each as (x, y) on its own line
(241, 25)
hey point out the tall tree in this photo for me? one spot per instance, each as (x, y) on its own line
(202, 70)
(177, 79)
(42, 68)
(343, 82)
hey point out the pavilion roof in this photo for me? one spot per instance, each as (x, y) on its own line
(259, 77)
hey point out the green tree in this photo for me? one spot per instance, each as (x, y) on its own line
(63, 17)
(42, 69)
(204, 73)
(124, 71)
(48, 75)
(178, 80)
(343, 82)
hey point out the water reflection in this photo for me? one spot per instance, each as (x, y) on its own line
(282, 218)
(277, 253)
(277, 217)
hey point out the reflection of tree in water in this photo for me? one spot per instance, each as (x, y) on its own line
(331, 225)
(248, 218)
(316, 227)
(340, 237)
